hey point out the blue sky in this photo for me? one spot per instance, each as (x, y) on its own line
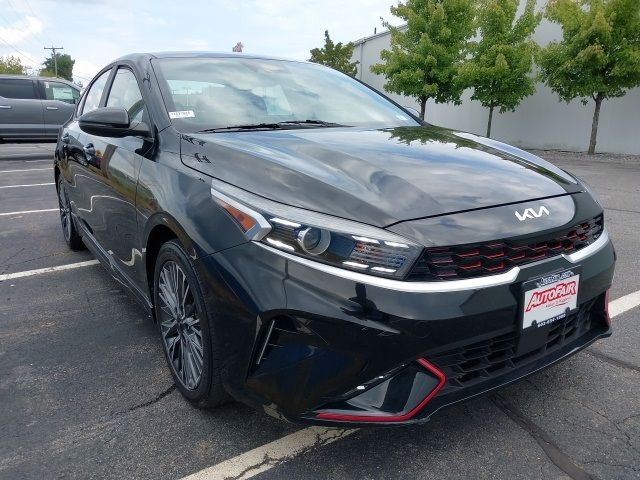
(94, 32)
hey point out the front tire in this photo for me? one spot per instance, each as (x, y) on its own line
(187, 336)
(69, 231)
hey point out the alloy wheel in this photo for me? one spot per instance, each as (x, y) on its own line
(179, 325)
(65, 211)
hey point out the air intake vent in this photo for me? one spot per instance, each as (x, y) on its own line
(273, 337)
(474, 363)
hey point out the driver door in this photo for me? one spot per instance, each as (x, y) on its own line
(114, 167)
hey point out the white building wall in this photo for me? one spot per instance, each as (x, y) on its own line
(541, 121)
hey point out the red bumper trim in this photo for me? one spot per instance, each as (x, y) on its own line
(393, 418)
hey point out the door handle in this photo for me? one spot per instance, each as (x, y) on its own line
(65, 138)
(89, 149)
(5, 107)
(52, 108)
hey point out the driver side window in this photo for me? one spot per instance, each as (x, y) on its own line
(93, 96)
(125, 93)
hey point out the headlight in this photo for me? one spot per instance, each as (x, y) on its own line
(316, 236)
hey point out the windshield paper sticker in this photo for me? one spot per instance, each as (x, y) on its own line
(182, 114)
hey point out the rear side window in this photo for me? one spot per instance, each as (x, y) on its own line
(17, 88)
(93, 96)
(125, 93)
(60, 91)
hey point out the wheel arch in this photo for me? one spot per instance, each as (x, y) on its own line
(160, 229)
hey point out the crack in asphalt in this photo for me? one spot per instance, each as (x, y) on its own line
(54, 254)
(548, 445)
(616, 465)
(594, 352)
(621, 210)
(614, 424)
(323, 437)
(156, 399)
(80, 434)
(6, 267)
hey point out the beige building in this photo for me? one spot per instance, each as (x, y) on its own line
(541, 121)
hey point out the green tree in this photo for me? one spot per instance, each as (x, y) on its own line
(425, 55)
(500, 67)
(335, 55)
(12, 65)
(599, 55)
(65, 66)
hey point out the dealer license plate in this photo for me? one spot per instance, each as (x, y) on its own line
(549, 299)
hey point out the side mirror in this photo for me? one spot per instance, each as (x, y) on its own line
(111, 122)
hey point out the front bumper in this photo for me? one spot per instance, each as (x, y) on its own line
(306, 345)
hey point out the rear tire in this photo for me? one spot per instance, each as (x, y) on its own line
(69, 231)
(186, 328)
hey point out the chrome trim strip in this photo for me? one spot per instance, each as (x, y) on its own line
(596, 246)
(399, 285)
(262, 227)
(437, 287)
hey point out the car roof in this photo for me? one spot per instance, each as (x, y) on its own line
(189, 54)
(36, 77)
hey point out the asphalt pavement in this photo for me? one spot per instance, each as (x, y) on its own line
(85, 392)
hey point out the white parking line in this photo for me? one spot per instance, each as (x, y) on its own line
(623, 304)
(39, 271)
(272, 454)
(25, 170)
(32, 185)
(8, 214)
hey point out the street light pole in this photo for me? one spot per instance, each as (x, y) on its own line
(55, 57)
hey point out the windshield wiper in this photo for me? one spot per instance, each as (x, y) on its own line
(312, 123)
(256, 126)
(272, 126)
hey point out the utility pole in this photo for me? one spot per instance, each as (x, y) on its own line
(55, 58)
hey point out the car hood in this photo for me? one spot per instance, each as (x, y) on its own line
(379, 177)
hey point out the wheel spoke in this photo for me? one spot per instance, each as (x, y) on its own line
(65, 215)
(172, 343)
(196, 351)
(169, 328)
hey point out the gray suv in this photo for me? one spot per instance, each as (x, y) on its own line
(34, 107)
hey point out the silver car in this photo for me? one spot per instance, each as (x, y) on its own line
(34, 107)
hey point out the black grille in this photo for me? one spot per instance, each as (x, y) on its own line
(490, 258)
(474, 363)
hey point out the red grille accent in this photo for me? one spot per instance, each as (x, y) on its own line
(491, 258)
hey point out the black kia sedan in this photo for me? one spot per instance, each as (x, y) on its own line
(309, 247)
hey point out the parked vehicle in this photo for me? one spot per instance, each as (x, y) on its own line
(35, 107)
(307, 246)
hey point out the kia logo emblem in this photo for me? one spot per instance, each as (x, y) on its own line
(530, 213)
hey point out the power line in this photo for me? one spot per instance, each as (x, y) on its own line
(10, 24)
(27, 56)
(36, 16)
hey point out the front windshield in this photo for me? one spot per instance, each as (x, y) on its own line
(213, 93)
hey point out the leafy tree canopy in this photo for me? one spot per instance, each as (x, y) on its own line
(65, 66)
(12, 65)
(599, 54)
(335, 55)
(502, 60)
(425, 55)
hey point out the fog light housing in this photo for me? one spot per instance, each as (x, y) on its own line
(396, 398)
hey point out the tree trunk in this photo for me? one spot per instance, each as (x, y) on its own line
(489, 122)
(594, 125)
(423, 107)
